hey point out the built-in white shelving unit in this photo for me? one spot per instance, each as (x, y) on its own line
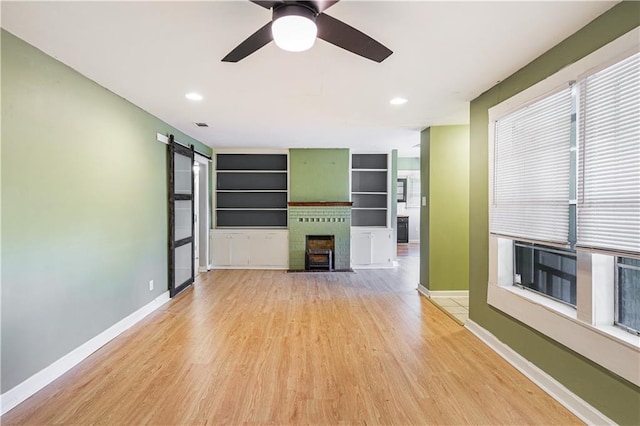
(372, 241)
(251, 190)
(369, 189)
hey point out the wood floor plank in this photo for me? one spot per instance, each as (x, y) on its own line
(269, 347)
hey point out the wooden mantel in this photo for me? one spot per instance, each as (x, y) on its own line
(320, 203)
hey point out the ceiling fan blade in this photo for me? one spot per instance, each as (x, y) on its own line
(342, 35)
(266, 4)
(251, 44)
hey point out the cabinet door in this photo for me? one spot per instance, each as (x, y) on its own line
(382, 247)
(240, 249)
(270, 250)
(221, 250)
(361, 248)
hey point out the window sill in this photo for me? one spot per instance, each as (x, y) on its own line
(609, 346)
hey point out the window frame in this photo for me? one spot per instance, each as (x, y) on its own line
(589, 328)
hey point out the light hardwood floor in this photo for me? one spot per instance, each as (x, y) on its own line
(269, 347)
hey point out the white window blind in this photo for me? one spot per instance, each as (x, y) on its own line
(609, 158)
(530, 180)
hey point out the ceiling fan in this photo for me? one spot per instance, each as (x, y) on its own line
(296, 25)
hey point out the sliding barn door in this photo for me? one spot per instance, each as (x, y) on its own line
(181, 224)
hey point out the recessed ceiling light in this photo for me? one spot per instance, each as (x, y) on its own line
(398, 101)
(193, 96)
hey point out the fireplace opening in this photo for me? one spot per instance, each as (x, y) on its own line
(320, 252)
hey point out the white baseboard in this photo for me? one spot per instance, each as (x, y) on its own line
(33, 384)
(203, 269)
(423, 290)
(251, 267)
(555, 389)
(442, 293)
(388, 266)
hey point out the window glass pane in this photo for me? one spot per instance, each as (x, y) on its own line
(547, 270)
(182, 174)
(182, 264)
(628, 293)
(629, 261)
(183, 220)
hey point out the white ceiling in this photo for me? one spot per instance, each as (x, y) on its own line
(445, 54)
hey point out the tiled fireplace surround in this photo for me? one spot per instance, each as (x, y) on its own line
(319, 218)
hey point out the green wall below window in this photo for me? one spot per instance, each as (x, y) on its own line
(319, 174)
(613, 396)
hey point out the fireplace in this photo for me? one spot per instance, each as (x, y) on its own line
(320, 219)
(320, 252)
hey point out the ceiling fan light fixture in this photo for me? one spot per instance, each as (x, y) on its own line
(294, 28)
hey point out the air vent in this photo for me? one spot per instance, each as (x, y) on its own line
(201, 124)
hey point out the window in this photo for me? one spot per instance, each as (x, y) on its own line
(547, 270)
(628, 294)
(564, 189)
(609, 174)
(534, 181)
(402, 190)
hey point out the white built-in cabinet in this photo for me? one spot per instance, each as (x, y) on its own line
(372, 242)
(250, 249)
(372, 248)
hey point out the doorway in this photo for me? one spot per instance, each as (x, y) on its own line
(201, 213)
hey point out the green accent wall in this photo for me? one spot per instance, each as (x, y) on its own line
(447, 168)
(319, 174)
(84, 209)
(408, 163)
(613, 396)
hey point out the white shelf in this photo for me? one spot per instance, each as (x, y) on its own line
(369, 193)
(244, 209)
(240, 191)
(245, 230)
(251, 171)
